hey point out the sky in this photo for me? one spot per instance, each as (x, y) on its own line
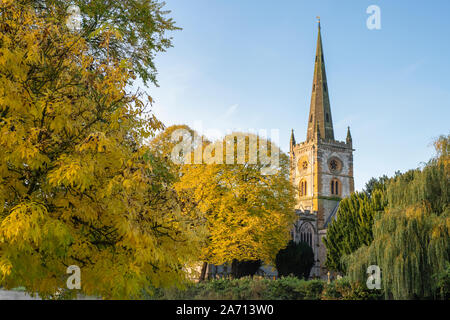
(248, 64)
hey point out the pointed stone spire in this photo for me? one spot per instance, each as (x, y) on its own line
(349, 137)
(320, 112)
(317, 135)
(292, 140)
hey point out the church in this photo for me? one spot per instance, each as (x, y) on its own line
(321, 168)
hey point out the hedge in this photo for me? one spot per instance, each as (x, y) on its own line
(286, 288)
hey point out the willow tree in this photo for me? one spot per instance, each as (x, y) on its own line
(75, 188)
(247, 201)
(412, 239)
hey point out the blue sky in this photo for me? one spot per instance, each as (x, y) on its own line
(241, 64)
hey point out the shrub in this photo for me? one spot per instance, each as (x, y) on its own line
(240, 269)
(344, 289)
(312, 289)
(286, 288)
(296, 259)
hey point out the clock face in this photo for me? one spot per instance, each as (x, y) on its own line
(335, 165)
(305, 165)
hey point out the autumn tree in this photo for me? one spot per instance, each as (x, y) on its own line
(163, 148)
(247, 200)
(75, 184)
(141, 26)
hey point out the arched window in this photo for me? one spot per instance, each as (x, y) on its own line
(303, 188)
(307, 234)
(335, 187)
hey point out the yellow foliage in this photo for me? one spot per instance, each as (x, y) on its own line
(249, 215)
(74, 186)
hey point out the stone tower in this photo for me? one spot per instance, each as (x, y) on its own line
(321, 168)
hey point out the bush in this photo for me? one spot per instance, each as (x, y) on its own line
(286, 288)
(344, 289)
(296, 259)
(312, 290)
(240, 269)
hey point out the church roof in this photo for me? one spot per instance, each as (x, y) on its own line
(332, 215)
(320, 122)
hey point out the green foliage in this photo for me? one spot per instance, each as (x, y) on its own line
(375, 184)
(353, 227)
(412, 239)
(443, 283)
(293, 288)
(296, 259)
(344, 289)
(240, 269)
(286, 288)
(428, 186)
(410, 246)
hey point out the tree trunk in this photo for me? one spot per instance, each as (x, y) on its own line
(203, 273)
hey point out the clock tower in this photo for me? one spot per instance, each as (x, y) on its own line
(321, 168)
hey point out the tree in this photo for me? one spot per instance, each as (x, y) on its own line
(411, 241)
(442, 146)
(75, 186)
(240, 269)
(376, 184)
(296, 259)
(248, 213)
(163, 147)
(353, 227)
(139, 29)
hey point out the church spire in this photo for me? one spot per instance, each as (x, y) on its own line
(317, 136)
(320, 112)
